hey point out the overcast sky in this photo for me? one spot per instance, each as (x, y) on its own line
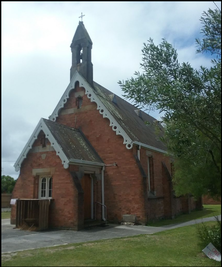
(36, 55)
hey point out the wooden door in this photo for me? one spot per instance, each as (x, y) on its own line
(86, 185)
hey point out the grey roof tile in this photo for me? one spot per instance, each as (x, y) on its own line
(139, 128)
(73, 142)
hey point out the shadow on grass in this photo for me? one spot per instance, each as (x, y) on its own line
(207, 211)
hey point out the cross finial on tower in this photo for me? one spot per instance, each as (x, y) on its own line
(81, 16)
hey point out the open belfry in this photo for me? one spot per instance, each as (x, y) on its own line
(94, 160)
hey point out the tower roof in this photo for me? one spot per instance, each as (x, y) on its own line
(81, 35)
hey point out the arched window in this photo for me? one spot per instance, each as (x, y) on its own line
(45, 187)
(79, 54)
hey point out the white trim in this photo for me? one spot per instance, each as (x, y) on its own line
(47, 187)
(93, 98)
(150, 147)
(85, 162)
(59, 152)
(102, 110)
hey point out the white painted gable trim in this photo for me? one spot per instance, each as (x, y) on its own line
(59, 152)
(93, 98)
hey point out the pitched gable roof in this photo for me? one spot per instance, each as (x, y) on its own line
(91, 94)
(70, 145)
(73, 142)
(137, 124)
(121, 114)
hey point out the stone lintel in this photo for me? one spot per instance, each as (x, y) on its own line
(43, 171)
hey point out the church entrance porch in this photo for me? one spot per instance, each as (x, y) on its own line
(91, 207)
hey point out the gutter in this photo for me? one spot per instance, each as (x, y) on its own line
(149, 147)
(85, 162)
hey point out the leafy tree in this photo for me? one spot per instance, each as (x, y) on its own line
(7, 184)
(191, 102)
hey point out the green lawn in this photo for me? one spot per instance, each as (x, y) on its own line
(208, 211)
(177, 247)
(6, 214)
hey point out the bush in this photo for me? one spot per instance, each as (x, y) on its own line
(209, 234)
(7, 184)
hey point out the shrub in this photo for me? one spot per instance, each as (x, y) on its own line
(209, 234)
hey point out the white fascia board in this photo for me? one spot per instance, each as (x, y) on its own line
(59, 152)
(150, 147)
(93, 98)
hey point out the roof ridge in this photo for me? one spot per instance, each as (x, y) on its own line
(121, 99)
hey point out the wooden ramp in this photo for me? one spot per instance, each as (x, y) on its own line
(32, 214)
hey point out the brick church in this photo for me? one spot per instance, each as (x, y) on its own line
(94, 159)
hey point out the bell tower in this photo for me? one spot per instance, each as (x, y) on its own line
(81, 47)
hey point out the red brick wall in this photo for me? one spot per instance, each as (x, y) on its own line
(123, 184)
(125, 187)
(206, 200)
(162, 205)
(63, 189)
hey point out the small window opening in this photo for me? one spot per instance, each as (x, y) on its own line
(80, 56)
(79, 102)
(43, 141)
(79, 53)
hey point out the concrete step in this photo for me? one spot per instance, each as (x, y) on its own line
(94, 223)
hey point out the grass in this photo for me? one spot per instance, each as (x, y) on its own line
(6, 214)
(177, 247)
(208, 211)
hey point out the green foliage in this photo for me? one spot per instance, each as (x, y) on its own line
(7, 184)
(211, 42)
(210, 234)
(191, 102)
